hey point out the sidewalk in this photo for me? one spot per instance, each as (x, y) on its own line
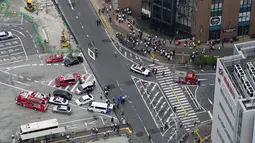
(89, 136)
(202, 132)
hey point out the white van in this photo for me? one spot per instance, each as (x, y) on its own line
(99, 107)
(5, 35)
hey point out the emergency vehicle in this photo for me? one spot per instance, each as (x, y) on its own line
(68, 79)
(33, 100)
(185, 77)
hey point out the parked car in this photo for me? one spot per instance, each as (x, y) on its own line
(58, 101)
(63, 94)
(72, 60)
(5, 35)
(55, 58)
(138, 68)
(85, 87)
(63, 109)
(67, 79)
(84, 99)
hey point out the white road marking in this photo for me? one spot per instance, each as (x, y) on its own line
(35, 46)
(210, 101)
(55, 64)
(67, 87)
(37, 51)
(91, 54)
(14, 87)
(17, 53)
(29, 79)
(87, 35)
(23, 47)
(27, 31)
(71, 5)
(18, 32)
(48, 64)
(21, 76)
(210, 114)
(13, 39)
(21, 83)
(206, 74)
(50, 83)
(9, 47)
(34, 64)
(31, 36)
(74, 87)
(88, 78)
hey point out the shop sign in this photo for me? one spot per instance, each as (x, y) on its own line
(229, 30)
(215, 21)
(229, 87)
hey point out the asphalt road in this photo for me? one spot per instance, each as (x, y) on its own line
(108, 69)
(35, 75)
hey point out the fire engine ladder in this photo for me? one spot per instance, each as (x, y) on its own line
(38, 95)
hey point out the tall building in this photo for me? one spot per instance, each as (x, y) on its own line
(234, 97)
(205, 19)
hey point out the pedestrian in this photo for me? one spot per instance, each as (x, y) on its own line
(156, 70)
(149, 136)
(114, 100)
(163, 73)
(118, 106)
(174, 109)
(96, 130)
(122, 112)
(168, 57)
(13, 136)
(219, 49)
(112, 119)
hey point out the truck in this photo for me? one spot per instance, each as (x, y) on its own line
(32, 100)
(183, 77)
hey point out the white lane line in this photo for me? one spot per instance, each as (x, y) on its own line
(50, 83)
(23, 47)
(74, 87)
(17, 53)
(48, 64)
(210, 114)
(29, 79)
(41, 64)
(210, 101)
(34, 64)
(87, 35)
(21, 76)
(67, 87)
(55, 64)
(21, 83)
(18, 32)
(14, 87)
(35, 46)
(27, 31)
(37, 51)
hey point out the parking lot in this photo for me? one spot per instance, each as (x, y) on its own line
(12, 50)
(39, 77)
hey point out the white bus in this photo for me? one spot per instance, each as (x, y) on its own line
(40, 129)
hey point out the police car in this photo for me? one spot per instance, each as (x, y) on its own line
(138, 68)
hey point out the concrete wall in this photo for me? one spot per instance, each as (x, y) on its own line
(200, 25)
(135, 5)
(230, 16)
(252, 19)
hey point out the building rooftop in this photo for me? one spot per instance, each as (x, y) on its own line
(240, 69)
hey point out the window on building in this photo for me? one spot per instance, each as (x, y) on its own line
(220, 136)
(216, 13)
(157, 2)
(244, 9)
(224, 128)
(226, 116)
(146, 4)
(167, 4)
(166, 15)
(245, 2)
(157, 11)
(227, 101)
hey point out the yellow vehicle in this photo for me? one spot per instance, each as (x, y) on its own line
(30, 7)
(64, 41)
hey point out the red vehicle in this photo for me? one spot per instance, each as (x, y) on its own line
(55, 58)
(186, 77)
(68, 79)
(33, 100)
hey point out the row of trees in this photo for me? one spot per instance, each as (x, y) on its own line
(202, 60)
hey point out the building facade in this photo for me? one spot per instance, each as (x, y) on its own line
(205, 19)
(234, 97)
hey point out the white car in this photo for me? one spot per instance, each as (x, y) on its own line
(140, 69)
(58, 100)
(5, 35)
(84, 99)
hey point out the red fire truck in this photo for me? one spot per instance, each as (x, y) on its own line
(185, 77)
(33, 100)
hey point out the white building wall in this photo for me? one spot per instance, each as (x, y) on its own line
(247, 127)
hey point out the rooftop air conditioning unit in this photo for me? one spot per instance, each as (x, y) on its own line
(249, 65)
(250, 91)
(252, 70)
(240, 73)
(237, 68)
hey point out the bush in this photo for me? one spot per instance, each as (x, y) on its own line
(199, 60)
(211, 61)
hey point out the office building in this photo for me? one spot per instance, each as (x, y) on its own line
(234, 96)
(205, 19)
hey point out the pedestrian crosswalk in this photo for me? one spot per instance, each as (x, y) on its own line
(176, 96)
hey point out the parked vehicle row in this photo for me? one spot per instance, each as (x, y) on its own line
(69, 60)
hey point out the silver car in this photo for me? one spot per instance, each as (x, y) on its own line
(5, 35)
(62, 109)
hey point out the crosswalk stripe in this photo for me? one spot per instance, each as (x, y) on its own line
(184, 106)
(190, 120)
(177, 89)
(167, 83)
(183, 103)
(189, 126)
(182, 100)
(165, 75)
(181, 113)
(188, 117)
(163, 68)
(165, 78)
(174, 97)
(163, 81)
(158, 66)
(187, 109)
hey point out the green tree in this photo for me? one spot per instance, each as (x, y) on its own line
(211, 61)
(199, 60)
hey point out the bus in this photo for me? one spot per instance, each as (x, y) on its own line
(36, 130)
